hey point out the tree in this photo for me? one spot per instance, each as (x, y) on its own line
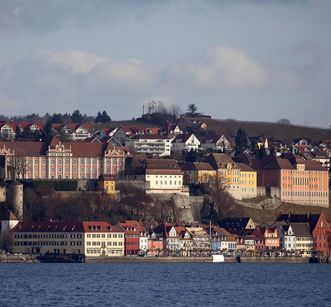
(192, 109)
(57, 118)
(241, 141)
(284, 121)
(102, 117)
(48, 131)
(77, 117)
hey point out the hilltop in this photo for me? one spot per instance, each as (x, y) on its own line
(252, 128)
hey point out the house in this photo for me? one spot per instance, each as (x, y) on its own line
(7, 130)
(239, 180)
(198, 172)
(294, 180)
(135, 237)
(201, 244)
(155, 244)
(175, 129)
(302, 145)
(156, 145)
(222, 240)
(61, 160)
(188, 142)
(237, 225)
(172, 239)
(92, 238)
(318, 226)
(225, 143)
(272, 237)
(297, 238)
(319, 156)
(163, 176)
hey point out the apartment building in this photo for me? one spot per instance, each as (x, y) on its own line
(92, 238)
(61, 160)
(153, 144)
(295, 180)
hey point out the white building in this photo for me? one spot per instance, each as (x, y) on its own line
(163, 176)
(157, 145)
(185, 142)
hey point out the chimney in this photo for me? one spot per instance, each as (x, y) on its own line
(308, 215)
(289, 216)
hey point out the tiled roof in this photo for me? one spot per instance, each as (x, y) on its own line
(24, 148)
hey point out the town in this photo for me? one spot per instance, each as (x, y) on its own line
(165, 184)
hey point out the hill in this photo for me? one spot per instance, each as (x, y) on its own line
(278, 131)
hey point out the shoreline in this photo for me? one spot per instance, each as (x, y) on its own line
(26, 258)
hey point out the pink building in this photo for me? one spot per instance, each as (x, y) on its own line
(61, 160)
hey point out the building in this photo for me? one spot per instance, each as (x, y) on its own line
(107, 184)
(134, 230)
(198, 173)
(188, 142)
(237, 225)
(294, 180)
(7, 131)
(238, 179)
(155, 244)
(156, 145)
(61, 160)
(318, 227)
(272, 237)
(92, 238)
(163, 176)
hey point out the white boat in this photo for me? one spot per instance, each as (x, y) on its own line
(218, 258)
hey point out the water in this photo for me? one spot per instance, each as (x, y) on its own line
(165, 284)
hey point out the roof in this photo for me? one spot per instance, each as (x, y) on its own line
(23, 148)
(244, 167)
(52, 226)
(199, 166)
(301, 229)
(311, 219)
(162, 166)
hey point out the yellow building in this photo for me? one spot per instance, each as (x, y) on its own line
(248, 181)
(198, 172)
(238, 179)
(107, 184)
(91, 239)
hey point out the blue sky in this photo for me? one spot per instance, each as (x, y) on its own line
(243, 59)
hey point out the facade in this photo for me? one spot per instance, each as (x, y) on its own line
(108, 184)
(238, 179)
(163, 176)
(89, 238)
(188, 142)
(157, 145)
(297, 181)
(61, 160)
(272, 237)
(155, 244)
(198, 172)
(7, 131)
(134, 230)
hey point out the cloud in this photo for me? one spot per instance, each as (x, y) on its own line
(220, 68)
(51, 81)
(43, 16)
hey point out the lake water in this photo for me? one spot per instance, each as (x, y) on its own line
(165, 284)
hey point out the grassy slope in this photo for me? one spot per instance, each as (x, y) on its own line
(266, 217)
(278, 131)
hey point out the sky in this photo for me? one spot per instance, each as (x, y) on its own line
(256, 60)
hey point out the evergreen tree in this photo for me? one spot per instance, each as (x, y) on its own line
(48, 131)
(77, 117)
(241, 141)
(192, 109)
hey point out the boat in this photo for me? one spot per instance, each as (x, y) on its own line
(218, 258)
